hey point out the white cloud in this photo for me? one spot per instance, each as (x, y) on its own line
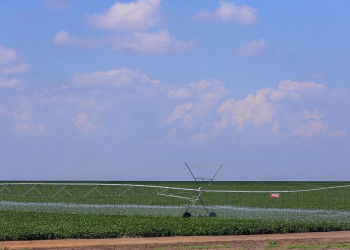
(288, 86)
(23, 124)
(84, 123)
(136, 15)
(64, 38)
(229, 11)
(179, 112)
(23, 120)
(312, 116)
(22, 128)
(149, 42)
(294, 90)
(251, 48)
(254, 109)
(115, 78)
(21, 117)
(9, 83)
(158, 42)
(278, 95)
(205, 95)
(132, 19)
(264, 108)
(208, 90)
(181, 93)
(311, 125)
(7, 55)
(19, 69)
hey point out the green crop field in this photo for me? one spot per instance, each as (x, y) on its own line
(95, 211)
(328, 199)
(29, 225)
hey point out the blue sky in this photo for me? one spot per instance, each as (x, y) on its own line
(130, 90)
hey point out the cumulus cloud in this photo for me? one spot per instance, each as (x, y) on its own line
(181, 93)
(208, 89)
(158, 42)
(84, 123)
(265, 107)
(277, 109)
(9, 83)
(130, 20)
(289, 86)
(198, 107)
(253, 109)
(23, 119)
(149, 42)
(136, 15)
(64, 38)
(7, 55)
(22, 122)
(293, 90)
(311, 126)
(229, 11)
(251, 48)
(179, 112)
(204, 94)
(115, 78)
(19, 69)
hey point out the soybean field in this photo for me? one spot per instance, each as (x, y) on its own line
(311, 201)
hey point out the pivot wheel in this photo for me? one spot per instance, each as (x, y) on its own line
(186, 215)
(212, 214)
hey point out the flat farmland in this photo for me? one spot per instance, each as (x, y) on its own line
(253, 213)
(29, 225)
(234, 194)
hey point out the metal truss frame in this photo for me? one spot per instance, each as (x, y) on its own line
(199, 194)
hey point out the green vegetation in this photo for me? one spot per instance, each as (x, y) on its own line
(17, 225)
(272, 244)
(81, 211)
(197, 247)
(327, 246)
(330, 199)
(206, 247)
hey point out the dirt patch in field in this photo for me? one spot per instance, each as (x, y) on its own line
(268, 241)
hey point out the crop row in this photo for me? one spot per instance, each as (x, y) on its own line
(329, 199)
(27, 225)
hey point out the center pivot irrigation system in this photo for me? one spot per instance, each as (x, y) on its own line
(136, 197)
(199, 198)
(199, 195)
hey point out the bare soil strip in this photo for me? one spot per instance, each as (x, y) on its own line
(234, 240)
